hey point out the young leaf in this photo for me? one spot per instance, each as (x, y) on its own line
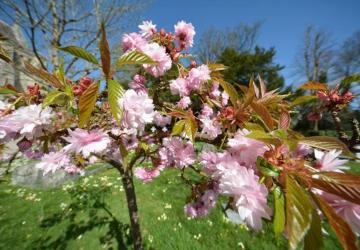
(216, 67)
(303, 99)
(313, 86)
(191, 128)
(229, 89)
(350, 79)
(314, 238)
(342, 229)
(87, 103)
(284, 120)
(44, 75)
(178, 127)
(264, 114)
(266, 168)
(346, 186)
(5, 90)
(115, 92)
(4, 55)
(279, 213)
(326, 143)
(81, 53)
(298, 212)
(105, 53)
(135, 57)
(55, 97)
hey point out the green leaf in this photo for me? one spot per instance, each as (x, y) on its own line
(178, 127)
(217, 67)
(261, 135)
(190, 128)
(298, 212)
(115, 92)
(350, 79)
(266, 168)
(303, 99)
(87, 103)
(55, 97)
(326, 143)
(342, 229)
(44, 75)
(344, 185)
(135, 57)
(313, 86)
(4, 55)
(80, 53)
(7, 91)
(105, 53)
(314, 238)
(279, 213)
(229, 89)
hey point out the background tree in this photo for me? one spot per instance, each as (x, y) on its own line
(243, 66)
(213, 42)
(51, 23)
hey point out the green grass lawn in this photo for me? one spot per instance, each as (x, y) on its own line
(91, 214)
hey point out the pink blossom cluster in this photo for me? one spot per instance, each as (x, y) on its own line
(211, 127)
(176, 153)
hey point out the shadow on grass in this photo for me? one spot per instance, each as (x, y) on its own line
(87, 212)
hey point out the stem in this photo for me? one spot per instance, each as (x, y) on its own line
(128, 184)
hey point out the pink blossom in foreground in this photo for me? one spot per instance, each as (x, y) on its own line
(161, 120)
(201, 207)
(179, 86)
(158, 54)
(54, 161)
(147, 29)
(86, 142)
(28, 121)
(146, 175)
(328, 161)
(184, 102)
(302, 150)
(175, 152)
(250, 197)
(197, 76)
(138, 110)
(215, 92)
(211, 128)
(349, 211)
(138, 84)
(132, 41)
(184, 34)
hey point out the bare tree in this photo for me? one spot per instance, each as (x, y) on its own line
(347, 61)
(51, 23)
(314, 58)
(213, 41)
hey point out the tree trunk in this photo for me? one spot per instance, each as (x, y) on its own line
(127, 180)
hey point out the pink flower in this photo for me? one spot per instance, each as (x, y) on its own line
(175, 152)
(302, 150)
(146, 175)
(215, 92)
(349, 211)
(133, 41)
(184, 34)
(249, 196)
(206, 112)
(86, 142)
(138, 84)
(147, 29)
(54, 161)
(201, 207)
(209, 160)
(28, 121)
(180, 87)
(246, 150)
(197, 76)
(224, 99)
(327, 161)
(158, 54)
(138, 110)
(161, 120)
(211, 128)
(184, 102)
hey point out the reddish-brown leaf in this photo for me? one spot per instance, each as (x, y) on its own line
(284, 120)
(44, 75)
(264, 114)
(313, 86)
(342, 229)
(344, 185)
(105, 53)
(87, 103)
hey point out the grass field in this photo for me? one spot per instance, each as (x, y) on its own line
(91, 214)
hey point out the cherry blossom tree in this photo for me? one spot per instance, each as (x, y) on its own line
(256, 155)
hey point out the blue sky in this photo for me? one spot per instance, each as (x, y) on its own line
(283, 21)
